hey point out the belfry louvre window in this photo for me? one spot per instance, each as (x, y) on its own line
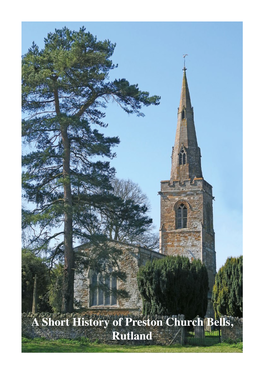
(181, 217)
(182, 157)
(100, 290)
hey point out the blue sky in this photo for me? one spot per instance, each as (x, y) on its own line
(151, 54)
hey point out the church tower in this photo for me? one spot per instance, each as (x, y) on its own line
(186, 199)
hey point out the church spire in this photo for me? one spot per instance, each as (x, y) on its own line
(185, 100)
(186, 162)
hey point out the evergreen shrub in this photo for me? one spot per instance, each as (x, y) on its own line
(172, 286)
(228, 289)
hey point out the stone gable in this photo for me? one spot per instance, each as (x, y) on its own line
(132, 258)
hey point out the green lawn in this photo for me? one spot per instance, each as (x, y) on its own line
(83, 345)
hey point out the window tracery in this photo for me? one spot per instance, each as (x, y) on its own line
(181, 216)
(182, 157)
(101, 287)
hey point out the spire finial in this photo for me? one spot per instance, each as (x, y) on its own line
(184, 68)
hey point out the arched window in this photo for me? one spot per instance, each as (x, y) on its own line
(101, 288)
(182, 157)
(181, 217)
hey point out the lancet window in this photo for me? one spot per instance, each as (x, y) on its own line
(182, 157)
(181, 217)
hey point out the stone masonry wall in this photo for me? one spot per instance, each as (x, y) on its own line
(74, 326)
(235, 332)
(130, 261)
(129, 264)
(196, 241)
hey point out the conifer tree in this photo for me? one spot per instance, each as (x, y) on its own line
(174, 285)
(65, 88)
(228, 289)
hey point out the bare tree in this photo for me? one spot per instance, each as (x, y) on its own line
(126, 220)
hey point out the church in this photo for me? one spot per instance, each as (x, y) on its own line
(186, 223)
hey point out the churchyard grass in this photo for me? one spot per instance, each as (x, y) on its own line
(83, 345)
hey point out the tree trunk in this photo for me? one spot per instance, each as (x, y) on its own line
(34, 302)
(68, 281)
(68, 274)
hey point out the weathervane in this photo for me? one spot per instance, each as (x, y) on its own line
(184, 68)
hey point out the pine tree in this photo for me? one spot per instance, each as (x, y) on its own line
(65, 86)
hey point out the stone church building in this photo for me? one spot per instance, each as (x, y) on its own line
(186, 223)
